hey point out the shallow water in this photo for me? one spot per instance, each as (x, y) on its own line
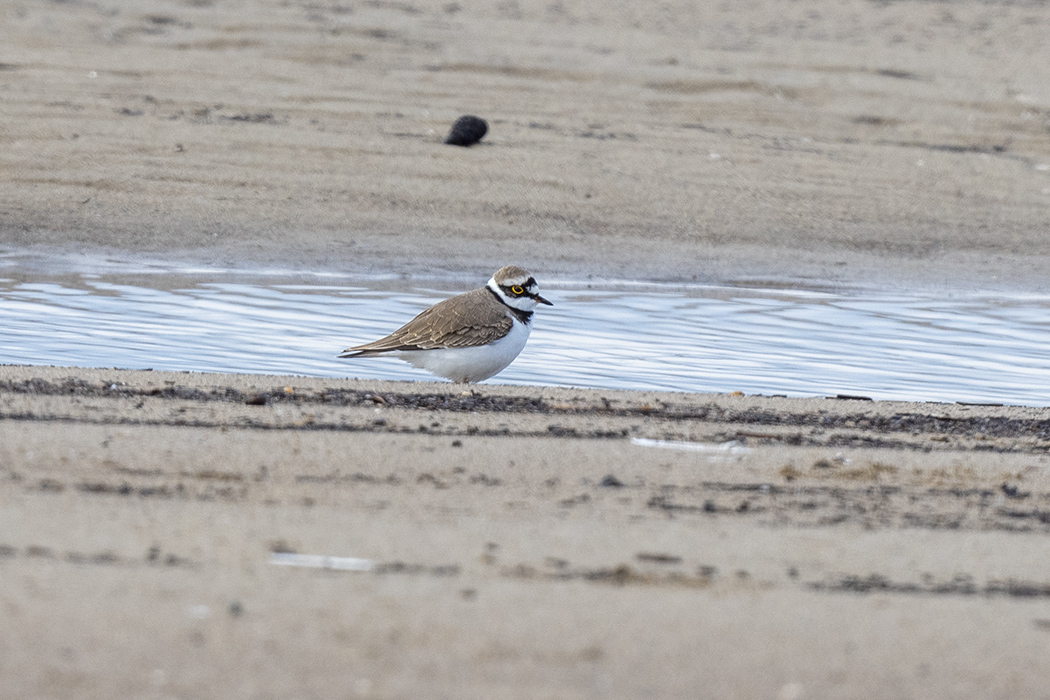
(969, 348)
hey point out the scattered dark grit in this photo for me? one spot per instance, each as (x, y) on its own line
(911, 423)
(959, 585)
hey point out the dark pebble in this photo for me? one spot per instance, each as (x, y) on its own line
(467, 131)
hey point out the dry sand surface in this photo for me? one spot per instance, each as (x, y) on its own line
(521, 542)
(813, 141)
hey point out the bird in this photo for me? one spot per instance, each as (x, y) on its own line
(470, 337)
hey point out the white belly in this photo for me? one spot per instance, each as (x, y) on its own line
(471, 364)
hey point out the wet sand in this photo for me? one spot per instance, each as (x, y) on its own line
(521, 542)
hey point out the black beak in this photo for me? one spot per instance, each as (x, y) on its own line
(540, 299)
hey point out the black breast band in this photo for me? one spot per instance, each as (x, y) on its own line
(523, 316)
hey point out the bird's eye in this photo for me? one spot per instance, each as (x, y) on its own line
(517, 290)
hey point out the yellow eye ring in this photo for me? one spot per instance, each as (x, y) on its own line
(517, 290)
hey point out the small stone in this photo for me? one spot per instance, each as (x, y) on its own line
(467, 131)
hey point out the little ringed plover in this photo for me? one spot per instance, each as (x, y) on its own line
(469, 337)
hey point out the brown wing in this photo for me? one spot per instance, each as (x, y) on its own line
(465, 321)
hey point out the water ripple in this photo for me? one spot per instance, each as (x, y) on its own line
(991, 349)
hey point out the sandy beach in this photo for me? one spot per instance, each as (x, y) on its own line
(867, 142)
(517, 542)
(242, 536)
